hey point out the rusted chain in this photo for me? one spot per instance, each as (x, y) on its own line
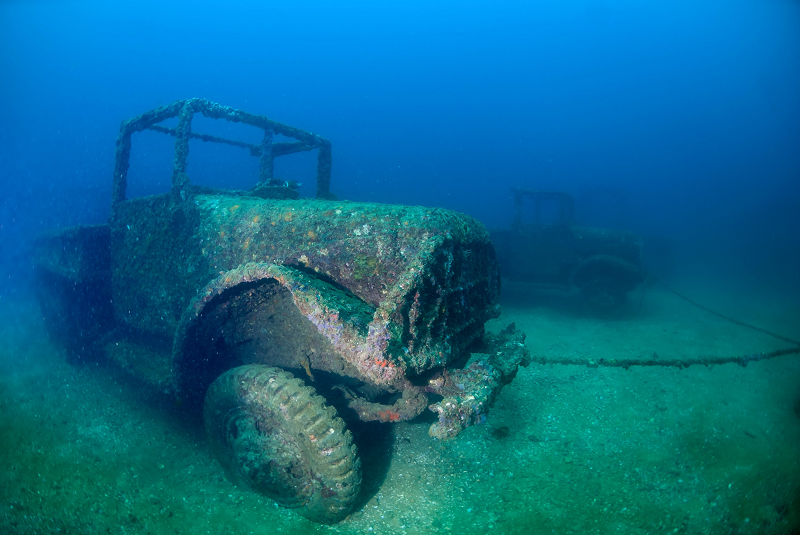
(742, 360)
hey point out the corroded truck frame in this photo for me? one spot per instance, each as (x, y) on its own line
(184, 110)
(383, 306)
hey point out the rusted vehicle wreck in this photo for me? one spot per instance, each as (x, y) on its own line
(604, 264)
(265, 308)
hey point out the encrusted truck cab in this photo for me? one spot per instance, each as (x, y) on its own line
(256, 302)
(395, 291)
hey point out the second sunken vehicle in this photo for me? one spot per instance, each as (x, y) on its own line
(604, 264)
(272, 309)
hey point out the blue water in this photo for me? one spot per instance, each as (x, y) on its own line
(679, 121)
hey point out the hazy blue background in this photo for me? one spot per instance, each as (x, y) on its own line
(678, 120)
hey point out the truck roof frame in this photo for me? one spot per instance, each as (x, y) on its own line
(184, 110)
(566, 205)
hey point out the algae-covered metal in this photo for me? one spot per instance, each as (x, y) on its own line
(185, 110)
(425, 280)
(202, 290)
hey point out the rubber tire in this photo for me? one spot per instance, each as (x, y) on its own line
(278, 436)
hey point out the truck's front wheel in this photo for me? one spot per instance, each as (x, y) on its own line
(271, 431)
(604, 281)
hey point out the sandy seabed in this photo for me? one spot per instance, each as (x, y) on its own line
(567, 449)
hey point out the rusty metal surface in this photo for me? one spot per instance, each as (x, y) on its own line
(470, 392)
(425, 280)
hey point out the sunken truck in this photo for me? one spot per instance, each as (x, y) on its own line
(282, 317)
(604, 264)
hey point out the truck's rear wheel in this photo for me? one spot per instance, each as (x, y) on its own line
(271, 431)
